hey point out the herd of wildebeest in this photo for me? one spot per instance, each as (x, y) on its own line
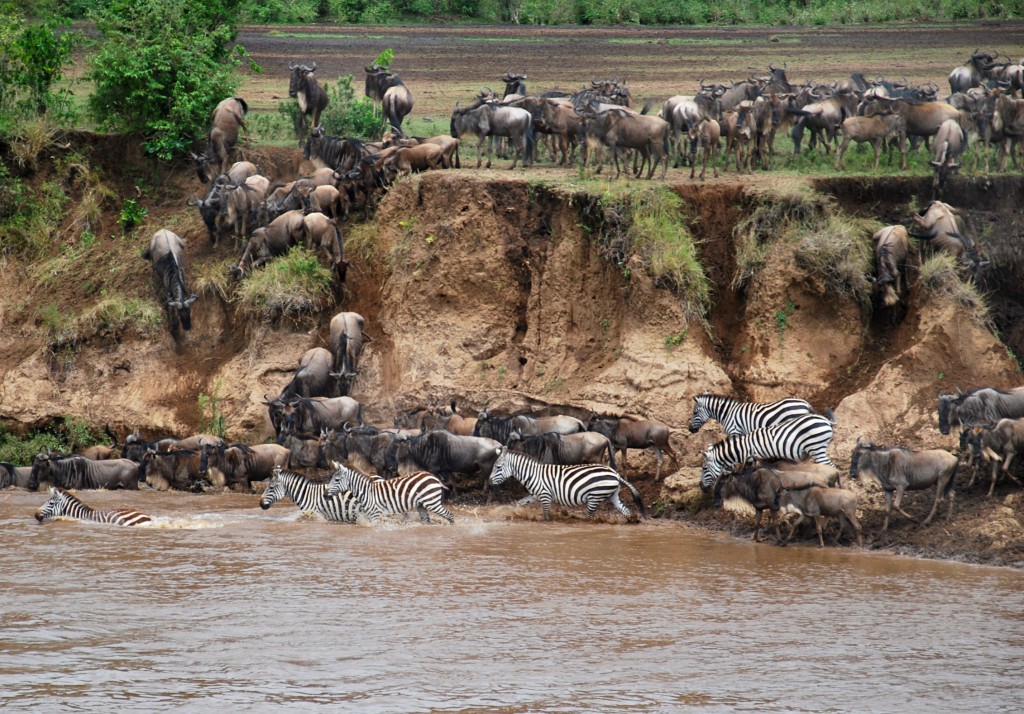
(774, 455)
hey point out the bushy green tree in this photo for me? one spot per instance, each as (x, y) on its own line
(163, 67)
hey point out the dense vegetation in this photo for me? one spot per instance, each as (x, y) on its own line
(595, 12)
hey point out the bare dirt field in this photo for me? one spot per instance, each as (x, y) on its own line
(445, 65)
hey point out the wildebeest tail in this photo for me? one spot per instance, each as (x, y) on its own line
(245, 107)
(611, 453)
(830, 415)
(636, 496)
(647, 106)
(458, 162)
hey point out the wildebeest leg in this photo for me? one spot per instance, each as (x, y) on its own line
(818, 520)
(424, 513)
(851, 518)
(899, 509)
(757, 524)
(622, 458)
(935, 506)
(657, 454)
(526, 501)
(793, 527)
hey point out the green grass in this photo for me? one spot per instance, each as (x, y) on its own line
(293, 286)
(941, 279)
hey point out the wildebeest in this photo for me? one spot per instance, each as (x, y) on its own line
(311, 97)
(944, 230)
(339, 153)
(388, 88)
(923, 118)
(500, 428)
(227, 119)
(706, 137)
(314, 414)
(624, 129)
(892, 250)
(78, 472)
(898, 469)
(17, 477)
(760, 487)
(312, 378)
(304, 453)
(950, 143)
(449, 419)
(986, 404)
(999, 445)
(587, 447)
(346, 342)
(364, 446)
(178, 469)
(444, 454)
(167, 252)
(874, 130)
(323, 236)
(239, 465)
(632, 432)
(487, 120)
(821, 503)
(268, 242)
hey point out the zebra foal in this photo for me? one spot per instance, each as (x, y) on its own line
(738, 417)
(310, 497)
(421, 491)
(579, 485)
(791, 440)
(63, 504)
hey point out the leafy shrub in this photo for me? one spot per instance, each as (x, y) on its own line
(163, 67)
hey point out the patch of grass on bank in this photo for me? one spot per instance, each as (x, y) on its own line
(292, 286)
(648, 225)
(775, 213)
(361, 242)
(62, 437)
(839, 251)
(114, 316)
(940, 279)
(213, 279)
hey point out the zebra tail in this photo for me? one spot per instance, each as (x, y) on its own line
(636, 497)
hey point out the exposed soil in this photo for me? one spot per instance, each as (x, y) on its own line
(486, 288)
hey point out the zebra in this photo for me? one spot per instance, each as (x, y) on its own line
(744, 417)
(63, 504)
(309, 496)
(377, 497)
(793, 440)
(577, 485)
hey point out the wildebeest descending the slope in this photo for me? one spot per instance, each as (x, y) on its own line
(167, 252)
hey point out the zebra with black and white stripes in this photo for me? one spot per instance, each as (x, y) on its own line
(310, 497)
(421, 491)
(793, 440)
(63, 504)
(577, 485)
(738, 417)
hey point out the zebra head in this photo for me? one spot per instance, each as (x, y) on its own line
(341, 481)
(700, 413)
(710, 470)
(274, 491)
(500, 471)
(53, 507)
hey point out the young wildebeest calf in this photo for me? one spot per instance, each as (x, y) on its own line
(704, 136)
(1000, 444)
(898, 469)
(760, 487)
(821, 503)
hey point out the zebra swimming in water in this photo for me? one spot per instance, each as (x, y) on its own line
(63, 504)
(792, 440)
(738, 417)
(421, 491)
(310, 497)
(578, 485)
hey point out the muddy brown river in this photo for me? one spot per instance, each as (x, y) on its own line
(221, 606)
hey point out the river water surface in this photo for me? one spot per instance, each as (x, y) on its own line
(221, 606)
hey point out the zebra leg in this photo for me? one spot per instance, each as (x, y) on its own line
(440, 510)
(619, 506)
(545, 503)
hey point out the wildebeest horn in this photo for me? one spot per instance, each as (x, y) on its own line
(313, 69)
(291, 65)
(192, 202)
